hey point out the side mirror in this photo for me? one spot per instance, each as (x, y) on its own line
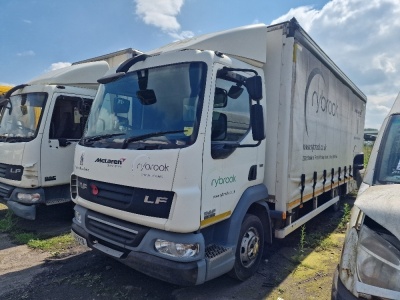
(63, 142)
(254, 87)
(121, 105)
(220, 98)
(257, 122)
(235, 91)
(146, 97)
(358, 161)
(84, 107)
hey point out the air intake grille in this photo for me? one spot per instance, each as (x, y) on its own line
(122, 232)
(152, 203)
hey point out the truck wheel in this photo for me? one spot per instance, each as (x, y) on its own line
(249, 249)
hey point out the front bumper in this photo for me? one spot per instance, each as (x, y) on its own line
(179, 273)
(339, 291)
(24, 211)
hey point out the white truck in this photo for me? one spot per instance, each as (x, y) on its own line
(198, 153)
(41, 122)
(369, 266)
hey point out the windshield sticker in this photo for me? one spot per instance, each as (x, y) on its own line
(188, 131)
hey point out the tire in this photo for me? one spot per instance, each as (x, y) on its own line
(250, 248)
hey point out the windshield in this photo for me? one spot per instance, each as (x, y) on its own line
(20, 117)
(388, 161)
(148, 109)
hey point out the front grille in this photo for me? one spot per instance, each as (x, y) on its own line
(12, 172)
(152, 203)
(5, 190)
(123, 233)
(74, 186)
(3, 169)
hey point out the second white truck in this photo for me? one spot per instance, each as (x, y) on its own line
(41, 122)
(196, 154)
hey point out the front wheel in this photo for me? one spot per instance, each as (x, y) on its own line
(249, 249)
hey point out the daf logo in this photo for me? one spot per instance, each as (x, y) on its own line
(157, 201)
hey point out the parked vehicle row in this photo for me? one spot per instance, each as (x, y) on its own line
(185, 162)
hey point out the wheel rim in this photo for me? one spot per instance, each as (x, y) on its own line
(249, 247)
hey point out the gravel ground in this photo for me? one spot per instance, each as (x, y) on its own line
(80, 273)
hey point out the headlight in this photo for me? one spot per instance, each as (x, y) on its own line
(378, 261)
(28, 198)
(176, 249)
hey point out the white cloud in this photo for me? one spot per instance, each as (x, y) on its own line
(162, 14)
(26, 53)
(361, 37)
(181, 35)
(27, 21)
(305, 15)
(58, 65)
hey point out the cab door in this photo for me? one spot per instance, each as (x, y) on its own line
(228, 170)
(64, 128)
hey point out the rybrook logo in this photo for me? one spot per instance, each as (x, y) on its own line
(223, 180)
(316, 92)
(152, 167)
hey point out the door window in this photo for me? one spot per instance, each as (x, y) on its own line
(69, 117)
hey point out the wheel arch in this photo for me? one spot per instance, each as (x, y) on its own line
(252, 202)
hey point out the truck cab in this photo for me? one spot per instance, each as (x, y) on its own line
(148, 127)
(195, 154)
(40, 124)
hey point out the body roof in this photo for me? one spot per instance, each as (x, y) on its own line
(77, 75)
(247, 41)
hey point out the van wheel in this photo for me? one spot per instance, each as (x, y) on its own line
(249, 249)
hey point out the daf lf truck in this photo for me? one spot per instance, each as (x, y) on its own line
(369, 266)
(198, 153)
(40, 124)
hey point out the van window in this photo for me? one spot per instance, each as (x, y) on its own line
(388, 161)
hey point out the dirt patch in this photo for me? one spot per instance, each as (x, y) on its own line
(289, 271)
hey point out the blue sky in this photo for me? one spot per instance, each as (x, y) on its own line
(362, 37)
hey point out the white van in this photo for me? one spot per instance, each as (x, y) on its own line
(370, 262)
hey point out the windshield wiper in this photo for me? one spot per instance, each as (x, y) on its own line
(100, 137)
(146, 136)
(13, 139)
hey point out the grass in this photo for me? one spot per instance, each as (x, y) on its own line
(54, 245)
(346, 217)
(367, 153)
(8, 222)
